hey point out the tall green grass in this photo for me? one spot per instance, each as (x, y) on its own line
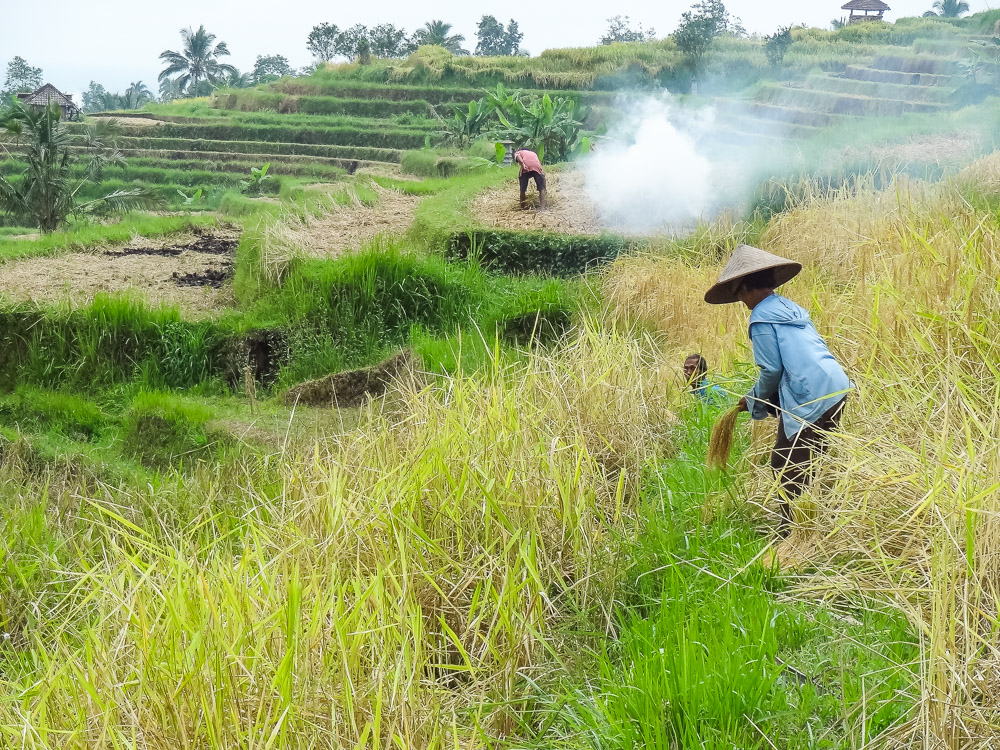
(713, 652)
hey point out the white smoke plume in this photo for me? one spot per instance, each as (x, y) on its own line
(660, 170)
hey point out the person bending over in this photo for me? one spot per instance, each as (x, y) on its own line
(531, 169)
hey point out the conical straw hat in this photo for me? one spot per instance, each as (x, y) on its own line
(745, 261)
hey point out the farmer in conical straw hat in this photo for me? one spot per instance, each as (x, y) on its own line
(799, 380)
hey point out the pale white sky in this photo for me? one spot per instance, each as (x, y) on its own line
(118, 41)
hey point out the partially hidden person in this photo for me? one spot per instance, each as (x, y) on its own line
(531, 169)
(696, 377)
(799, 381)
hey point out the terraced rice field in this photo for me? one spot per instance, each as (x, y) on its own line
(891, 86)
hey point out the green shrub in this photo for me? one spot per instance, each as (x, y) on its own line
(112, 340)
(430, 164)
(57, 411)
(159, 429)
(519, 253)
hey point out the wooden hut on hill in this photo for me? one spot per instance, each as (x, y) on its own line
(49, 94)
(865, 10)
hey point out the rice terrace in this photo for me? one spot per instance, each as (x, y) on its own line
(397, 400)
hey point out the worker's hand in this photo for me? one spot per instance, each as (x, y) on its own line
(742, 404)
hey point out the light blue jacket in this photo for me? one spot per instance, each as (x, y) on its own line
(797, 371)
(709, 394)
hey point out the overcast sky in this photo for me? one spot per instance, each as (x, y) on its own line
(118, 41)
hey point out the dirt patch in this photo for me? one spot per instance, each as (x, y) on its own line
(131, 122)
(213, 277)
(347, 389)
(569, 209)
(352, 226)
(223, 244)
(188, 271)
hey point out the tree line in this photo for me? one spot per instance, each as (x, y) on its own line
(198, 67)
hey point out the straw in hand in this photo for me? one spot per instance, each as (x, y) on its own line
(720, 444)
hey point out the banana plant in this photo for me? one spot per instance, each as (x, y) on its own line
(544, 125)
(500, 99)
(255, 183)
(468, 123)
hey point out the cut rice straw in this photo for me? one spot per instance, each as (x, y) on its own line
(720, 444)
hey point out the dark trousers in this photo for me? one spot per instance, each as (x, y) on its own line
(792, 459)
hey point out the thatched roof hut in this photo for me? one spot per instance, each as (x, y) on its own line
(865, 10)
(48, 95)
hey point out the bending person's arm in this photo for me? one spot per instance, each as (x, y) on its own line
(768, 358)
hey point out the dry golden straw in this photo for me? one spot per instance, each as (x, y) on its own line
(720, 444)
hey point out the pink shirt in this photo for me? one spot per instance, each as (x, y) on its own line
(529, 161)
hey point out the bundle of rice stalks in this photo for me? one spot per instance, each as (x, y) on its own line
(720, 444)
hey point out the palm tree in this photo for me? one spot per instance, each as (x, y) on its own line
(237, 80)
(198, 62)
(138, 95)
(948, 9)
(46, 192)
(170, 90)
(438, 32)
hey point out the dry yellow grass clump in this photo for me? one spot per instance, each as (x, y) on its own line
(361, 596)
(903, 284)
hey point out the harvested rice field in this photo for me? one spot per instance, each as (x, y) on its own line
(569, 209)
(311, 438)
(352, 224)
(189, 272)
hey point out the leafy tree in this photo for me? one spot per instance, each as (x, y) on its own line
(355, 43)
(198, 63)
(838, 23)
(512, 40)
(45, 193)
(777, 44)
(270, 68)
(388, 41)
(439, 33)
(698, 28)
(619, 30)
(490, 35)
(495, 40)
(322, 41)
(97, 99)
(93, 97)
(693, 38)
(948, 9)
(20, 77)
